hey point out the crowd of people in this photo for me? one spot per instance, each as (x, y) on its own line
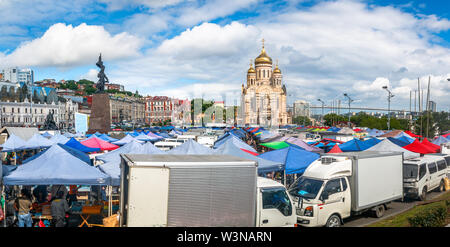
(20, 206)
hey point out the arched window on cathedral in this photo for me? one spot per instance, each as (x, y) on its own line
(264, 73)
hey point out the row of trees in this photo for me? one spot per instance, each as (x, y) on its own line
(427, 124)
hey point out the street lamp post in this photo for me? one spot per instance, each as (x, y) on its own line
(322, 109)
(390, 95)
(349, 101)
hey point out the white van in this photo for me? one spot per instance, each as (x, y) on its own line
(422, 175)
(447, 159)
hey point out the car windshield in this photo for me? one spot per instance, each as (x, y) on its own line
(410, 171)
(306, 188)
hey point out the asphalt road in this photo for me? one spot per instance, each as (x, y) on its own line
(394, 208)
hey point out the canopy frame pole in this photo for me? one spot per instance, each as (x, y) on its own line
(4, 205)
(284, 180)
(109, 200)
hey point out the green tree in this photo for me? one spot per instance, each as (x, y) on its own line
(89, 90)
(332, 119)
(301, 120)
(424, 127)
(86, 82)
(442, 120)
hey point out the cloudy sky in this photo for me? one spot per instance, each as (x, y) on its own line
(190, 48)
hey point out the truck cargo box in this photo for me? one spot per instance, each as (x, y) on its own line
(187, 190)
(377, 177)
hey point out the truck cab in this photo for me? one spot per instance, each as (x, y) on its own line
(275, 208)
(422, 175)
(322, 195)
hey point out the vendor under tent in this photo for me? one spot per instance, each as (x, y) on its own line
(387, 146)
(440, 140)
(125, 140)
(275, 145)
(56, 166)
(434, 147)
(264, 166)
(99, 143)
(354, 145)
(191, 147)
(418, 147)
(77, 145)
(13, 144)
(303, 145)
(236, 141)
(294, 159)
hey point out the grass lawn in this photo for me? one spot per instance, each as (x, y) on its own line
(401, 220)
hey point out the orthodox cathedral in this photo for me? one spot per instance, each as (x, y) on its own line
(263, 100)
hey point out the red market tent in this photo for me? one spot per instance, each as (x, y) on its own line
(446, 135)
(98, 143)
(335, 150)
(250, 152)
(418, 147)
(432, 146)
(254, 130)
(412, 134)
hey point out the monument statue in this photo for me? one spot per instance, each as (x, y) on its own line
(49, 123)
(102, 78)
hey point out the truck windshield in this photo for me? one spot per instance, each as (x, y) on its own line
(306, 188)
(410, 171)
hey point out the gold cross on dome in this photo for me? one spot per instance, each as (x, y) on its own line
(263, 42)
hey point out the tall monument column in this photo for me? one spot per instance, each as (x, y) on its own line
(100, 119)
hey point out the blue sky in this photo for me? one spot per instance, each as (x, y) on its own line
(189, 48)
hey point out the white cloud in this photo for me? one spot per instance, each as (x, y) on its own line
(90, 75)
(65, 46)
(212, 10)
(114, 5)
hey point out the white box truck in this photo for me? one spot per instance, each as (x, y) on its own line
(337, 186)
(200, 190)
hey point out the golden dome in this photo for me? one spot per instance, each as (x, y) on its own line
(277, 70)
(263, 58)
(251, 70)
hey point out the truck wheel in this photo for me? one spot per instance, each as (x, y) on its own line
(423, 195)
(379, 211)
(333, 221)
(442, 186)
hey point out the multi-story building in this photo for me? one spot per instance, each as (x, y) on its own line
(301, 108)
(127, 110)
(111, 86)
(158, 109)
(16, 75)
(181, 113)
(432, 106)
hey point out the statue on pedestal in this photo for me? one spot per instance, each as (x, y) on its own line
(49, 123)
(102, 78)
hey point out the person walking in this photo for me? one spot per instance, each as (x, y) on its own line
(23, 205)
(59, 209)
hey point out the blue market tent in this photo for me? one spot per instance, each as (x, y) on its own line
(399, 142)
(125, 140)
(372, 141)
(375, 132)
(131, 147)
(264, 166)
(59, 139)
(295, 160)
(112, 163)
(354, 145)
(7, 169)
(47, 135)
(440, 140)
(237, 142)
(107, 138)
(68, 135)
(13, 144)
(403, 136)
(191, 147)
(145, 138)
(56, 166)
(77, 145)
(77, 153)
(163, 135)
(37, 142)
